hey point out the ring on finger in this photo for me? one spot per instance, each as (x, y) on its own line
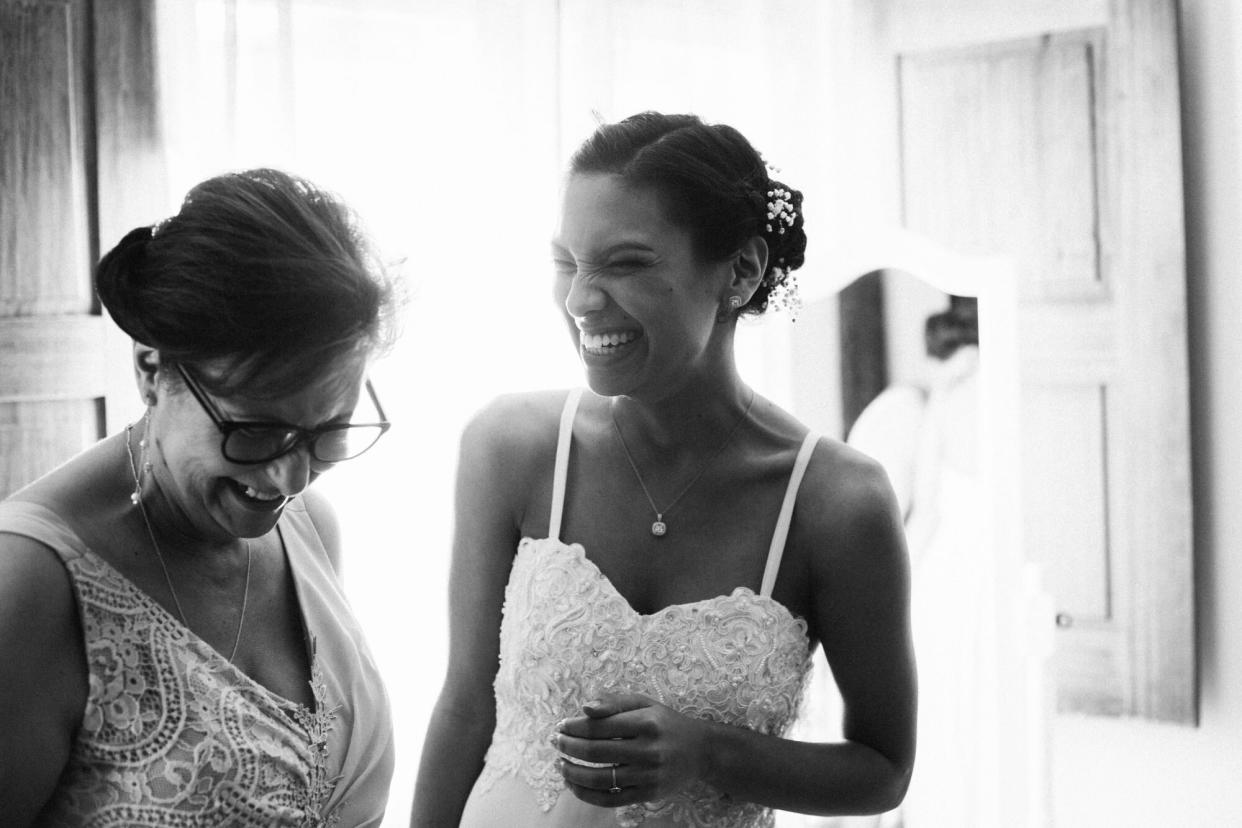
(583, 762)
(615, 789)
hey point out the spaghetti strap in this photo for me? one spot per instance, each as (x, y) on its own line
(562, 462)
(777, 549)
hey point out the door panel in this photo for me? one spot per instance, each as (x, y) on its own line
(1070, 519)
(45, 242)
(131, 172)
(76, 133)
(51, 335)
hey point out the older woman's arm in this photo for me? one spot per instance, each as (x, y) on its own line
(43, 677)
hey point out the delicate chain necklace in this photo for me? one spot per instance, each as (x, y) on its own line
(660, 527)
(137, 500)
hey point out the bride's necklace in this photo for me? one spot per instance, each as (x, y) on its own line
(660, 527)
(136, 498)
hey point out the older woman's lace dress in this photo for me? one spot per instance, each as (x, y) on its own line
(568, 635)
(174, 735)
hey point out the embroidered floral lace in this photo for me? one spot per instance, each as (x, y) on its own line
(568, 635)
(173, 734)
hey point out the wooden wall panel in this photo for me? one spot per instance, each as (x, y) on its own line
(1064, 434)
(51, 335)
(131, 168)
(53, 357)
(1020, 120)
(37, 436)
(45, 238)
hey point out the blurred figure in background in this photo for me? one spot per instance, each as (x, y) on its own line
(927, 438)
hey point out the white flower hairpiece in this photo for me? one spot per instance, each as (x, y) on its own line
(780, 209)
(783, 290)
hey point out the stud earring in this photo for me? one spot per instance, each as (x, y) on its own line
(733, 304)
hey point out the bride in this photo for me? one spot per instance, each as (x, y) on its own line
(682, 544)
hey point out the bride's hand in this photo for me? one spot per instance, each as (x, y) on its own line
(636, 744)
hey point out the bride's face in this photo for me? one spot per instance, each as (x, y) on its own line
(641, 305)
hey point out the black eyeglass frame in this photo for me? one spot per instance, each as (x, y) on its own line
(309, 436)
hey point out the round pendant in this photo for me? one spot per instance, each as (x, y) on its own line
(659, 528)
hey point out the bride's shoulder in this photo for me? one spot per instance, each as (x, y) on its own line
(516, 426)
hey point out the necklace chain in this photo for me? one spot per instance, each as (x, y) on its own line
(660, 527)
(142, 509)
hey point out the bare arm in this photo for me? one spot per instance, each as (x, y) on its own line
(860, 582)
(489, 501)
(43, 679)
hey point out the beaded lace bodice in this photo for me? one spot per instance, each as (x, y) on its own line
(568, 635)
(174, 735)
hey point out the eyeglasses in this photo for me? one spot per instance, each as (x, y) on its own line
(250, 442)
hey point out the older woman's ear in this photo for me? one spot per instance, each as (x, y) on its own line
(146, 372)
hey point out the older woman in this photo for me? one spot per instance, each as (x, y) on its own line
(682, 544)
(176, 646)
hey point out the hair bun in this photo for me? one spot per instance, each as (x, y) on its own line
(118, 280)
(786, 240)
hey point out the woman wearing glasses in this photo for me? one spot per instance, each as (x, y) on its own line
(176, 646)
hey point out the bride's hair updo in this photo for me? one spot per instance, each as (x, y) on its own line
(713, 184)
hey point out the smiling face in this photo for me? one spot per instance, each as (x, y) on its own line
(204, 495)
(642, 306)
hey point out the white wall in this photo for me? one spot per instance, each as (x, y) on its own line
(1134, 774)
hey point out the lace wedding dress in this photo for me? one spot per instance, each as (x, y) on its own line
(567, 635)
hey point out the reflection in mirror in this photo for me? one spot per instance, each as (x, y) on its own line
(923, 426)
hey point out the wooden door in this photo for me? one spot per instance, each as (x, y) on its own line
(64, 378)
(51, 334)
(1049, 133)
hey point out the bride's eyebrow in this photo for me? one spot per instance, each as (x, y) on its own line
(626, 246)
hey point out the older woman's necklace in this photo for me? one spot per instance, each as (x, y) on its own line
(659, 527)
(136, 499)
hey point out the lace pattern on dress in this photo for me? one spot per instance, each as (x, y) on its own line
(174, 735)
(568, 635)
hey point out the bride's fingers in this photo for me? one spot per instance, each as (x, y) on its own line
(623, 725)
(601, 752)
(608, 787)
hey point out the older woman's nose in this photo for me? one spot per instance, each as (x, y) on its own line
(291, 473)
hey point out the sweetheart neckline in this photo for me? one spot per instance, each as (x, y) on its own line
(579, 552)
